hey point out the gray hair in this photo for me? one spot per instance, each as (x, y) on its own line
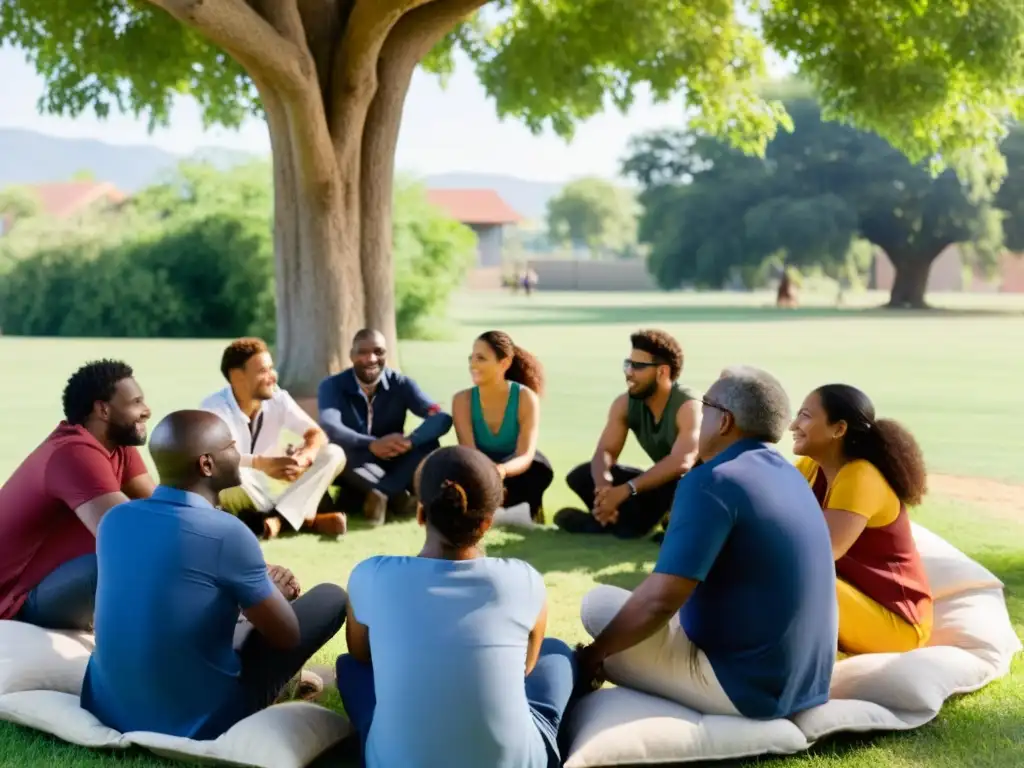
(756, 399)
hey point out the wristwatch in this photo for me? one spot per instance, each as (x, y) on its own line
(632, 488)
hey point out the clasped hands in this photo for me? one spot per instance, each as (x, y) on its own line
(390, 446)
(607, 500)
(289, 467)
(285, 581)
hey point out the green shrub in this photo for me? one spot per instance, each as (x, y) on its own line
(193, 258)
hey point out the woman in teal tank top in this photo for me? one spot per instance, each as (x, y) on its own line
(500, 417)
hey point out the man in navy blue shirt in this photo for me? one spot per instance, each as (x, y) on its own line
(363, 410)
(746, 565)
(174, 573)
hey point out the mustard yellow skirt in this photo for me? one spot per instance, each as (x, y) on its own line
(867, 627)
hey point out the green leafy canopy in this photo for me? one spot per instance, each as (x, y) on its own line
(938, 78)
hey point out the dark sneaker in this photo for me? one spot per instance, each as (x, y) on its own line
(403, 506)
(577, 521)
(375, 508)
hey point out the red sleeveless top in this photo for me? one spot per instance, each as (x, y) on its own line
(884, 564)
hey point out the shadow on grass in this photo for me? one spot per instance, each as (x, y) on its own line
(674, 313)
(604, 558)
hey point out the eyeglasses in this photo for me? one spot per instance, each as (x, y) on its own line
(637, 365)
(708, 404)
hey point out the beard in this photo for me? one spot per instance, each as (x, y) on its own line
(644, 392)
(369, 379)
(132, 434)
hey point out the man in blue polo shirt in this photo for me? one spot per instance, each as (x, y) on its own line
(747, 568)
(363, 409)
(174, 573)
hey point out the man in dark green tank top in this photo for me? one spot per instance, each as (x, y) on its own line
(665, 419)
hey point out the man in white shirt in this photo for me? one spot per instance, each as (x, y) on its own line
(278, 482)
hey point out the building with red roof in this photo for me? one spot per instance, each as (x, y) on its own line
(483, 211)
(62, 200)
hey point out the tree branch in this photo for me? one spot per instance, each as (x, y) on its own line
(369, 23)
(237, 28)
(283, 15)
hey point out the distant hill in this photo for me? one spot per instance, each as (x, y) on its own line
(27, 157)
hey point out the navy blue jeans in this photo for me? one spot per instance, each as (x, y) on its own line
(65, 599)
(548, 690)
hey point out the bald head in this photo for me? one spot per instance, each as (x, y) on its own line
(194, 450)
(369, 355)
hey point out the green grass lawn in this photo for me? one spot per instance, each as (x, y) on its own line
(953, 378)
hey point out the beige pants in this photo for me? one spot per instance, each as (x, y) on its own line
(296, 502)
(666, 664)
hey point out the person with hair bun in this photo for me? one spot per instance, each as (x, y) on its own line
(447, 661)
(500, 416)
(865, 473)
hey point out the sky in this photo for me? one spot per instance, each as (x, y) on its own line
(444, 129)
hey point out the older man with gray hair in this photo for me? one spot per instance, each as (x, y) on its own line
(739, 616)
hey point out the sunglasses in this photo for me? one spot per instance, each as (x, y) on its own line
(636, 365)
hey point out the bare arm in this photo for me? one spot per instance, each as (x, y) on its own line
(275, 619)
(684, 450)
(611, 442)
(529, 431)
(648, 609)
(844, 529)
(312, 440)
(93, 510)
(463, 419)
(536, 639)
(139, 487)
(358, 637)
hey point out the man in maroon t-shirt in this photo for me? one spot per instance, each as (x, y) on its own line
(51, 505)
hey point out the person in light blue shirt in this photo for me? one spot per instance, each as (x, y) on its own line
(174, 574)
(448, 663)
(746, 566)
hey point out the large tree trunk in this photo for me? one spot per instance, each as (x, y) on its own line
(911, 282)
(411, 39)
(332, 75)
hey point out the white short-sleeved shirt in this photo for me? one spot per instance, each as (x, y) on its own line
(262, 436)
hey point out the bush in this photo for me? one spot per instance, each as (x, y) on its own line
(193, 258)
(209, 277)
(431, 255)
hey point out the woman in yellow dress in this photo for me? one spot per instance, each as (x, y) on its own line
(866, 472)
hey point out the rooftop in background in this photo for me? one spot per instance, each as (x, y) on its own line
(474, 206)
(68, 198)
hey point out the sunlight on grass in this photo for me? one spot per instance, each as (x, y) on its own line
(949, 378)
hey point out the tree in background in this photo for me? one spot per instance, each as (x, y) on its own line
(596, 214)
(192, 257)
(331, 77)
(711, 211)
(18, 202)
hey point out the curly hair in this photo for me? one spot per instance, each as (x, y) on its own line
(662, 347)
(460, 490)
(93, 382)
(885, 443)
(239, 352)
(525, 369)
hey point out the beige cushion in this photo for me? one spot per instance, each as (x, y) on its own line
(34, 659)
(949, 570)
(972, 644)
(41, 676)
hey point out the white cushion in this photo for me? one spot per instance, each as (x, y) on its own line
(618, 726)
(41, 676)
(34, 659)
(972, 644)
(949, 570)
